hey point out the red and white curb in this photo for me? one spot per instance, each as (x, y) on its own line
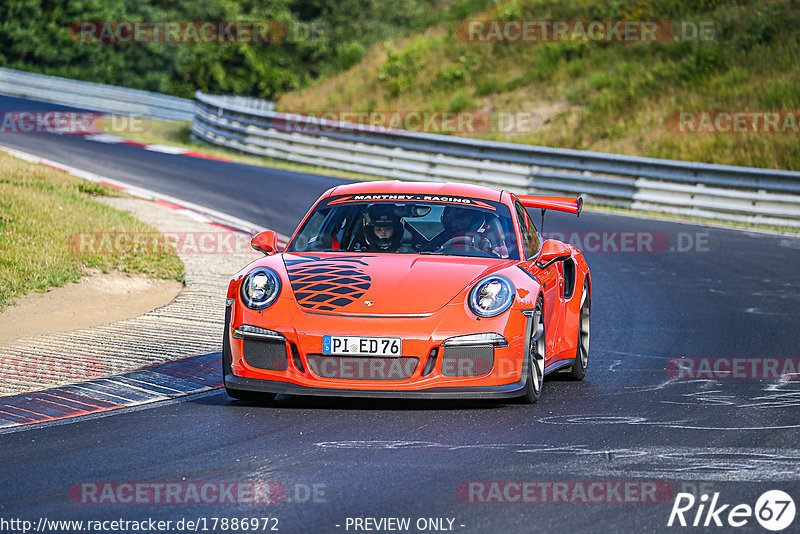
(150, 384)
(112, 139)
(195, 211)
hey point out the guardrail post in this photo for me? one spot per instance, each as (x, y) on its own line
(533, 172)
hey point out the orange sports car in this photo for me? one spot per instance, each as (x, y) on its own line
(402, 289)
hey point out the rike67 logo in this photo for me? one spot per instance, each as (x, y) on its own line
(774, 510)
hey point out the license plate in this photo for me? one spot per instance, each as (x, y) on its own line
(363, 346)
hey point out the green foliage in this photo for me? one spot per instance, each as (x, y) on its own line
(509, 10)
(461, 9)
(458, 71)
(490, 84)
(461, 101)
(322, 37)
(399, 72)
(703, 60)
(608, 96)
(348, 54)
(94, 189)
(779, 94)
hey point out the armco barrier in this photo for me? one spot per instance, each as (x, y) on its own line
(715, 191)
(95, 96)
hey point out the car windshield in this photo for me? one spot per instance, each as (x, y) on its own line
(459, 227)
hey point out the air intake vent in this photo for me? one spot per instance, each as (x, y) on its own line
(266, 354)
(296, 358)
(474, 360)
(431, 362)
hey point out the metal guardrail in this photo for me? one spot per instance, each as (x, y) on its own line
(251, 125)
(715, 191)
(247, 102)
(95, 96)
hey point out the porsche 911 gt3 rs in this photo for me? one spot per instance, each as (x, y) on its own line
(401, 289)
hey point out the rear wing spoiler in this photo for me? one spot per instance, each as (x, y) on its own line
(567, 204)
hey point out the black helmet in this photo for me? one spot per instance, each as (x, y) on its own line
(382, 216)
(459, 220)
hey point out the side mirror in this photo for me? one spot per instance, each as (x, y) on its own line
(552, 250)
(266, 242)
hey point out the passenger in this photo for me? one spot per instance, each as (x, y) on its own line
(383, 229)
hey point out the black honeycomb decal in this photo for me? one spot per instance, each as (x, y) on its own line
(326, 283)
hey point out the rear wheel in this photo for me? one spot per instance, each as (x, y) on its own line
(536, 355)
(578, 371)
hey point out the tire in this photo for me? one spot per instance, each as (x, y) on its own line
(536, 357)
(238, 394)
(578, 371)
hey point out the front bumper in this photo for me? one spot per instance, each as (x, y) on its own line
(422, 339)
(271, 386)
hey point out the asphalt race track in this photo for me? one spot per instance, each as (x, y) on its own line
(229, 188)
(687, 292)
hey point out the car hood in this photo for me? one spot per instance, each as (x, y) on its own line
(382, 284)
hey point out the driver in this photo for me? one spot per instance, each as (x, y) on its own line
(458, 221)
(461, 228)
(383, 228)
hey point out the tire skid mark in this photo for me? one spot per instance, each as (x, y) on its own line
(678, 463)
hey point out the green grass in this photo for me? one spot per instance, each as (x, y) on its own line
(41, 210)
(610, 97)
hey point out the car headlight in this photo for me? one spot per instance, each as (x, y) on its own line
(260, 288)
(491, 296)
